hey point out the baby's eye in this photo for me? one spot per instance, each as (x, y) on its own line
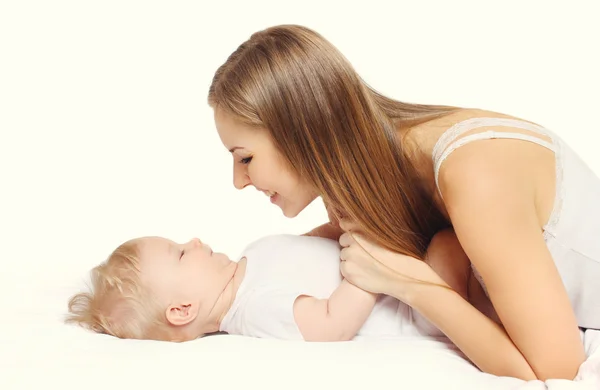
(246, 160)
(181, 255)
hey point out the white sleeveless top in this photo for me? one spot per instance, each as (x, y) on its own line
(572, 232)
(280, 268)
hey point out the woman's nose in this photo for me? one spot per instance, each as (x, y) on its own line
(240, 178)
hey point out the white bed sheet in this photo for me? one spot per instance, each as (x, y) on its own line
(41, 352)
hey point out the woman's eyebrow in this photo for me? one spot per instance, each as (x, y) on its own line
(235, 148)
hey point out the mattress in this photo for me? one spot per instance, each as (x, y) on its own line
(39, 351)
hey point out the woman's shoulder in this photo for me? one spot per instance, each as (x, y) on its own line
(437, 136)
(471, 161)
(427, 134)
(482, 164)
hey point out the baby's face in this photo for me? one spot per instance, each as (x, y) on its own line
(187, 278)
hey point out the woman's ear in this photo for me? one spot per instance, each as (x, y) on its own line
(183, 314)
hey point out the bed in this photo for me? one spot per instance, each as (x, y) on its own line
(41, 352)
(104, 117)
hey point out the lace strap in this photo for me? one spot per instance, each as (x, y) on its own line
(470, 124)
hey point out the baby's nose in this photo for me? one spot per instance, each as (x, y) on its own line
(195, 242)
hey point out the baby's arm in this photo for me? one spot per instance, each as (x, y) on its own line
(338, 318)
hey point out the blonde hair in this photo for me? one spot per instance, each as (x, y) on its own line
(336, 132)
(118, 304)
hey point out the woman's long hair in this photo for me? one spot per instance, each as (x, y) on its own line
(339, 134)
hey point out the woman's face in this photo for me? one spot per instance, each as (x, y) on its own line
(257, 162)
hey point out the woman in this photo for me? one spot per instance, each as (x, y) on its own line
(300, 123)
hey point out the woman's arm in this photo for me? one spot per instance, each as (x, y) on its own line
(482, 340)
(491, 205)
(338, 318)
(376, 269)
(447, 258)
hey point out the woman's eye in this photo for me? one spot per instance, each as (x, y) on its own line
(246, 160)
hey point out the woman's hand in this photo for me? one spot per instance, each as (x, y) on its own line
(379, 270)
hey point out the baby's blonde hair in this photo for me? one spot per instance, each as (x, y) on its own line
(118, 304)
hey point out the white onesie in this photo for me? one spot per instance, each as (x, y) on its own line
(280, 268)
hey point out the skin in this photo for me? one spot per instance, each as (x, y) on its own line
(256, 162)
(195, 285)
(342, 315)
(498, 195)
(198, 287)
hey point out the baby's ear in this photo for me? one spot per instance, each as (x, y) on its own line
(182, 314)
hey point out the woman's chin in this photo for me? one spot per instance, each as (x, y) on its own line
(289, 212)
(292, 211)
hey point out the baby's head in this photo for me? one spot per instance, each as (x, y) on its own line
(153, 288)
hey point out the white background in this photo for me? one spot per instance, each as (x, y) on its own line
(106, 134)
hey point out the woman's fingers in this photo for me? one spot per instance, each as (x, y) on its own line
(348, 225)
(345, 239)
(343, 224)
(345, 272)
(344, 254)
(362, 242)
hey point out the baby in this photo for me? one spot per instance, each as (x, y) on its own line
(283, 286)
